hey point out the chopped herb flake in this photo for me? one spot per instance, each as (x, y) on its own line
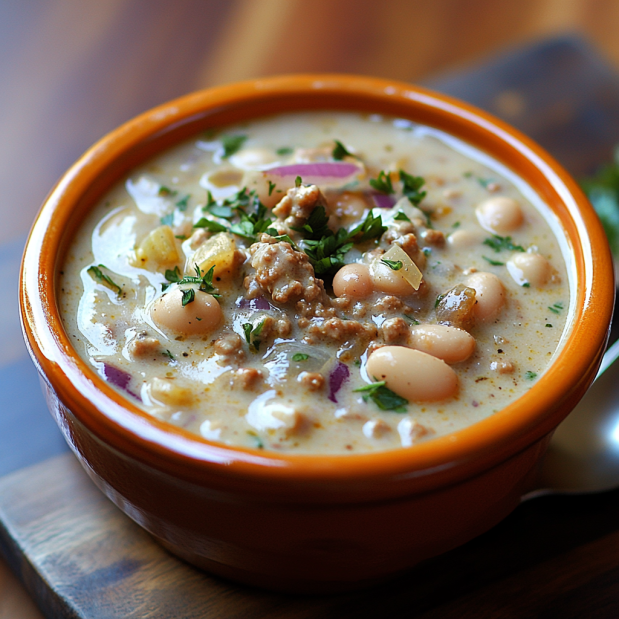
(252, 333)
(232, 144)
(495, 263)
(210, 225)
(106, 280)
(298, 181)
(167, 220)
(300, 356)
(394, 265)
(411, 187)
(166, 191)
(382, 183)
(501, 243)
(383, 397)
(182, 204)
(271, 187)
(530, 375)
(188, 296)
(339, 151)
(402, 216)
(284, 150)
(168, 354)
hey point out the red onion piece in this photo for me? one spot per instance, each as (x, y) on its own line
(315, 173)
(382, 200)
(259, 303)
(338, 376)
(118, 377)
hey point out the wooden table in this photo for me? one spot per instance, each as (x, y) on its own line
(70, 70)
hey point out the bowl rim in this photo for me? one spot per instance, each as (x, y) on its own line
(118, 422)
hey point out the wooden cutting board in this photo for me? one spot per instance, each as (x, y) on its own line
(82, 558)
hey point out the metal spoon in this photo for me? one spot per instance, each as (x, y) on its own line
(583, 455)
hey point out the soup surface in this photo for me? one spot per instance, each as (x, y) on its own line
(319, 283)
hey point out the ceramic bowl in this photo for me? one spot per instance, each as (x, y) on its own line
(308, 523)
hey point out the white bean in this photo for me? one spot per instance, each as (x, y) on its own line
(387, 280)
(490, 294)
(528, 268)
(200, 316)
(413, 374)
(450, 344)
(462, 238)
(499, 215)
(353, 280)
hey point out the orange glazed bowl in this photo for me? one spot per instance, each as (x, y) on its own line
(303, 522)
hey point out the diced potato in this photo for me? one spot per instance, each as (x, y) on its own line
(217, 251)
(168, 392)
(159, 248)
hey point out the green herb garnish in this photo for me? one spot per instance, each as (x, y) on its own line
(232, 144)
(252, 333)
(189, 296)
(412, 320)
(484, 182)
(394, 265)
(530, 375)
(402, 216)
(271, 187)
(168, 354)
(501, 243)
(495, 263)
(339, 151)
(166, 191)
(384, 398)
(298, 181)
(106, 280)
(204, 282)
(411, 187)
(316, 225)
(167, 220)
(382, 183)
(210, 225)
(300, 356)
(284, 150)
(182, 204)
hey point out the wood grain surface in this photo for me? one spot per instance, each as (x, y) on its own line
(71, 70)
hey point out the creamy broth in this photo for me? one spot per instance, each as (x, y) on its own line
(319, 283)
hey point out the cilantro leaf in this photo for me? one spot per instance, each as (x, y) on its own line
(383, 397)
(382, 183)
(166, 191)
(495, 263)
(340, 151)
(316, 225)
(284, 150)
(210, 225)
(402, 216)
(189, 296)
(271, 187)
(252, 334)
(298, 181)
(168, 354)
(182, 204)
(411, 187)
(300, 356)
(530, 375)
(106, 280)
(167, 220)
(500, 243)
(232, 144)
(372, 227)
(394, 265)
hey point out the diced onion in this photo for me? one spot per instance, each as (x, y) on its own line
(409, 271)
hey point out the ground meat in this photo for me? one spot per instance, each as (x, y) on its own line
(433, 237)
(341, 330)
(408, 243)
(456, 306)
(394, 330)
(389, 303)
(298, 204)
(396, 230)
(321, 309)
(143, 346)
(279, 327)
(246, 378)
(312, 380)
(228, 344)
(376, 428)
(283, 272)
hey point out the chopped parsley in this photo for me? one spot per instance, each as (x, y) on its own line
(484, 182)
(394, 265)
(168, 354)
(495, 263)
(501, 243)
(340, 151)
(412, 320)
(526, 285)
(384, 398)
(556, 308)
(167, 220)
(182, 204)
(316, 225)
(412, 187)
(271, 187)
(382, 183)
(166, 191)
(232, 144)
(548, 325)
(253, 224)
(106, 280)
(256, 439)
(300, 356)
(298, 181)
(205, 282)
(252, 334)
(402, 216)
(530, 375)
(210, 225)
(284, 150)
(189, 296)
(456, 225)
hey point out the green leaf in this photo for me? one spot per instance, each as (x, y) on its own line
(300, 356)
(383, 397)
(298, 181)
(252, 333)
(106, 280)
(182, 204)
(494, 263)
(232, 144)
(412, 187)
(402, 216)
(210, 225)
(284, 150)
(394, 265)
(166, 191)
(339, 151)
(382, 183)
(188, 296)
(271, 187)
(501, 243)
(530, 375)
(167, 220)
(168, 354)
(316, 225)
